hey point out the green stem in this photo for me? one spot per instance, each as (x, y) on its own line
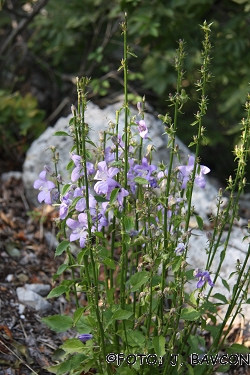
(92, 260)
(177, 104)
(124, 244)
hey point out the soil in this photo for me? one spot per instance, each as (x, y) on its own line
(27, 256)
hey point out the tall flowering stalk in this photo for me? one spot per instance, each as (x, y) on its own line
(129, 219)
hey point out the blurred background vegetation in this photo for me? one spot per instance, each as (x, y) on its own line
(45, 44)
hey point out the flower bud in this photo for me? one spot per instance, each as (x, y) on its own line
(47, 169)
(139, 107)
(73, 110)
(59, 178)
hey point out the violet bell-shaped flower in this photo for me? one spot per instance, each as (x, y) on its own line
(85, 337)
(79, 229)
(186, 171)
(66, 201)
(204, 277)
(121, 194)
(180, 248)
(143, 130)
(104, 174)
(144, 170)
(45, 188)
(78, 171)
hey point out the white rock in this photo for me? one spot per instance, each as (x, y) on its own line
(9, 278)
(203, 200)
(21, 309)
(41, 289)
(32, 299)
(98, 120)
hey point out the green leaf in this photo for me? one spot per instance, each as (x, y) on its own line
(196, 344)
(138, 279)
(226, 285)
(177, 264)
(199, 222)
(213, 329)
(222, 255)
(118, 163)
(65, 189)
(159, 345)
(61, 247)
(109, 262)
(129, 223)
(62, 268)
(53, 369)
(72, 346)
(64, 367)
(135, 338)
(83, 325)
(188, 313)
(141, 181)
(98, 234)
(77, 315)
(113, 195)
(91, 143)
(132, 54)
(61, 134)
(192, 298)
(59, 290)
(121, 314)
(69, 166)
(58, 323)
(221, 297)
(100, 199)
(237, 349)
(77, 359)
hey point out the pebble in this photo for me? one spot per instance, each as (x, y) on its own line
(32, 299)
(9, 278)
(41, 289)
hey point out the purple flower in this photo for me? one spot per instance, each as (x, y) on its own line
(78, 171)
(186, 171)
(45, 188)
(121, 194)
(104, 174)
(143, 130)
(144, 170)
(204, 277)
(85, 337)
(109, 154)
(64, 206)
(162, 174)
(79, 228)
(180, 248)
(99, 221)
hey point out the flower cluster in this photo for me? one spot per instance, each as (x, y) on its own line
(84, 217)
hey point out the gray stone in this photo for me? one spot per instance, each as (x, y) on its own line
(98, 120)
(41, 289)
(203, 200)
(32, 299)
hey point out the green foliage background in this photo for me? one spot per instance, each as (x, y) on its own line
(83, 37)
